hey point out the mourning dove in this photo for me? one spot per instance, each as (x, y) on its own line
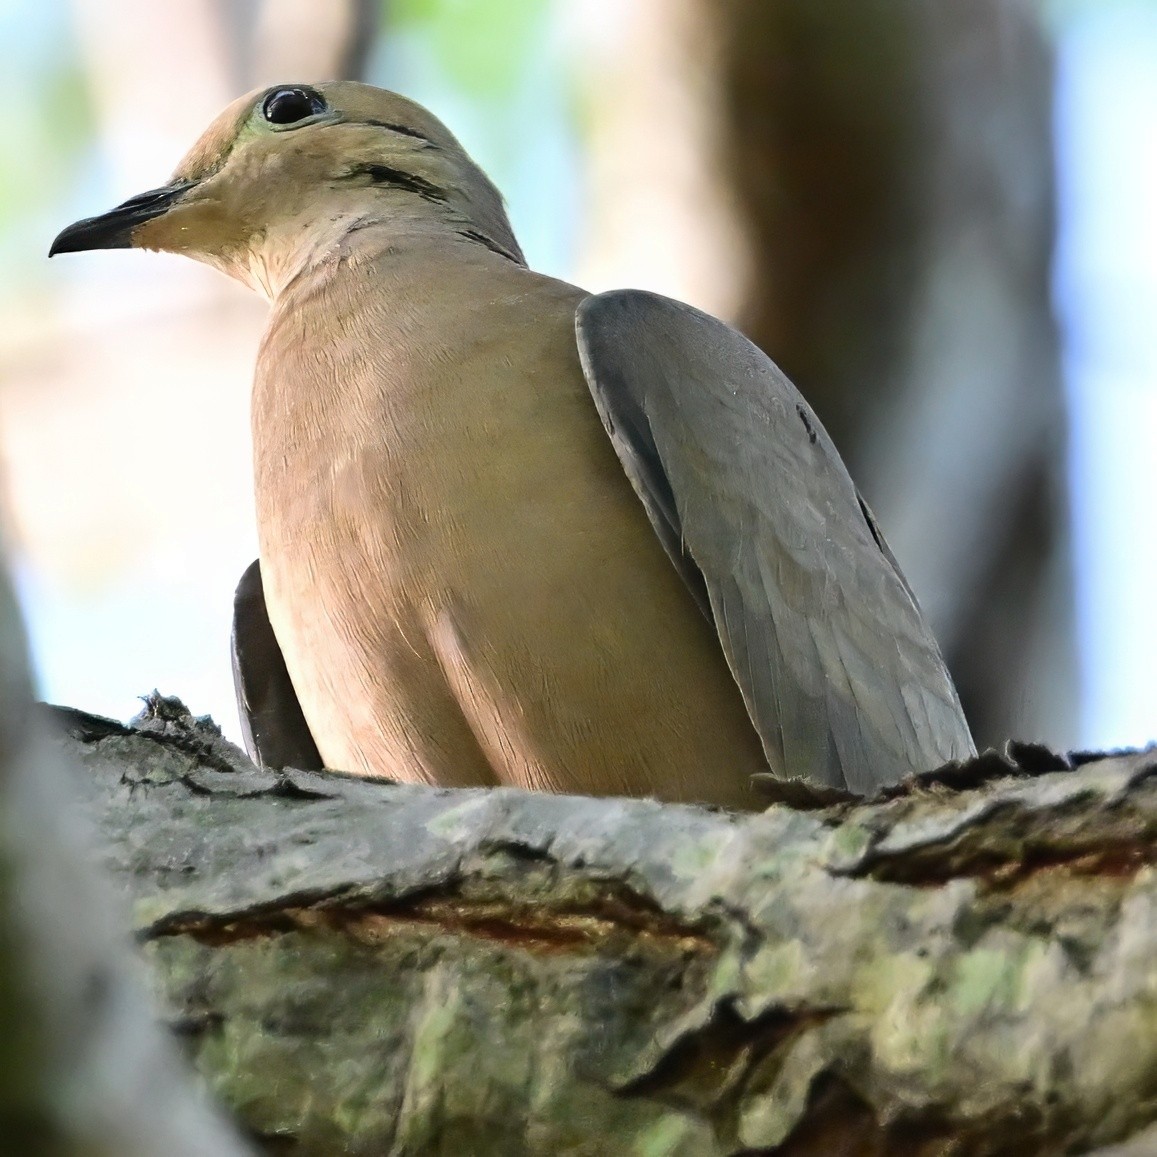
(512, 532)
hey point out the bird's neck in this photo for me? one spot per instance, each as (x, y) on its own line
(285, 255)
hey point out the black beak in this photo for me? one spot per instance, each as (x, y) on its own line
(114, 229)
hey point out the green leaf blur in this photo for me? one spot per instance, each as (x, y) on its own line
(480, 44)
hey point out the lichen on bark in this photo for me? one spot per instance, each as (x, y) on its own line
(962, 966)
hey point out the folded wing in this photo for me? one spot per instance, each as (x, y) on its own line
(751, 501)
(272, 725)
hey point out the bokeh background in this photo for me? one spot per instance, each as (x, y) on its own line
(939, 218)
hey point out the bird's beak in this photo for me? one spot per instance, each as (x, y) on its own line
(114, 229)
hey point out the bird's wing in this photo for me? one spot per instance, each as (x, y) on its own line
(841, 676)
(274, 729)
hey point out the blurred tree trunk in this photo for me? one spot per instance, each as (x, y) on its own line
(301, 40)
(872, 203)
(84, 1069)
(893, 167)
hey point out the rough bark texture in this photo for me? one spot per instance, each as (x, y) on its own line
(964, 967)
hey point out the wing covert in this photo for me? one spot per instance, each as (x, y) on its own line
(840, 673)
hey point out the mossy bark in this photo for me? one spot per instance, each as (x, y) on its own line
(964, 967)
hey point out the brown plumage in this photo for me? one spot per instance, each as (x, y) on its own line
(470, 582)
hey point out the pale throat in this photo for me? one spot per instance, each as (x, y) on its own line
(284, 251)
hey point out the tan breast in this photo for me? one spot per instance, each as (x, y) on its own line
(464, 585)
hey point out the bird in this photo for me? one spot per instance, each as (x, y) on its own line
(512, 532)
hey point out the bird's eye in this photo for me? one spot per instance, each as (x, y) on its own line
(287, 106)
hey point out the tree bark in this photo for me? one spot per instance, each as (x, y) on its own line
(961, 967)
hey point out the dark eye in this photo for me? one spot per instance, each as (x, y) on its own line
(287, 106)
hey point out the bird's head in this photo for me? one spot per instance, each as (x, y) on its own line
(285, 173)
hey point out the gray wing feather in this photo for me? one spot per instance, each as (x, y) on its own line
(841, 676)
(272, 724)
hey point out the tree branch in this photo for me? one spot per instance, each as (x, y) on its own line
(364, 967)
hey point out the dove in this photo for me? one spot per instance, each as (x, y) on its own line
(514, 533)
